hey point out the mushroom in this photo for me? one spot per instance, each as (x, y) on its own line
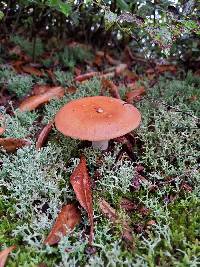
(97, 119)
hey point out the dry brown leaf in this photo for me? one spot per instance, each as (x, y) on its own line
(111, 87)
(32, 70)
(111, 214)
(135, 94)
(39, 89)
(86, 76)
(128, 205)
(166, 67)
(107, 210)
(12, 144)
(44, 135)
(80, 181)
(71, 90)
(52, 76)
(67, 219)
(35, 101)
(4, 255)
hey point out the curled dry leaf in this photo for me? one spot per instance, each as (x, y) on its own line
(80, 181)
(111, 87)
(32, 71)
(35, 101)
(111, 214)
(44, 135)
(71, 90)
(4, 255)
(135, 94)
(86, 76)
(39, 89)
(166, 67)
(128, 205)
(12, 144)
(67, 219)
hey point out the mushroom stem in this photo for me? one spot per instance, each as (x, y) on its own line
(102, 145)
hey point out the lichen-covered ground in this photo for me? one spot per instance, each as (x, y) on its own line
(159, 175)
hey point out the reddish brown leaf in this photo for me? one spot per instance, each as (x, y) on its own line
(71, 90)
(131, 77)
(186, 187)
(39, 89)
(128, 205)
(32, 71)
(17, 65)
(80, 181)
(44, 135)
(111, 214)
(107, 210)
(35, 101)
(135, 95)
(111, 87)
(166, 67)
(4, 255)
(51, 76)
(12, 144)
(67, 219)
(86, 76)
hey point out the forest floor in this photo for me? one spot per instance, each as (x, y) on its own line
(145, 187)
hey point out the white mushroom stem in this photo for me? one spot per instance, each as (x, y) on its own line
(102, 145)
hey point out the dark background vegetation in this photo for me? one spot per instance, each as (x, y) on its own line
(153, 28)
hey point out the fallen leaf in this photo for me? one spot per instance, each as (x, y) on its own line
(4, 255)
(35, 101)
(51, 76)
(186, 187)
(17, 65)
(44, 135)
(111, 214)
(86, 76)
(135, 94)
(111, 87)
(80, 181)
(166, 67)
(39, 89)
(12, 144)
(67, 219)
(107, 210)
(71, 90)
(32, 70)
(128, 205)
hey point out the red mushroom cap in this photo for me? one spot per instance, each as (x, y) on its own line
(97, 118)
